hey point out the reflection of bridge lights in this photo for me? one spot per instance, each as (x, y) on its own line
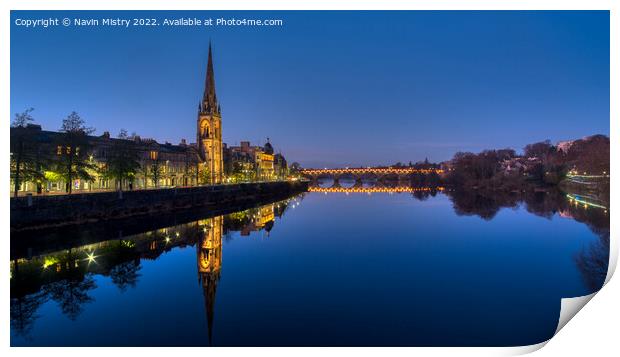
(177, 234)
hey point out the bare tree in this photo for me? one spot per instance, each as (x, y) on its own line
(72, 150)
(156, 170)
(122, 161)
(24, 146)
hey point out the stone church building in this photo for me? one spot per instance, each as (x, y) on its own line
(160, 165)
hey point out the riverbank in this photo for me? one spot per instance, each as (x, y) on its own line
(33, 213)
(599, 188)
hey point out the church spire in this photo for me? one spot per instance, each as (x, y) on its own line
(209, 98)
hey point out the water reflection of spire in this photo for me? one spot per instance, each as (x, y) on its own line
(209, 256)
(49, 274)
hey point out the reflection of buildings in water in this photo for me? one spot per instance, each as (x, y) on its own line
(209, 249)
(209, 255)
(33, 278)
(262, 219)
(592, 261)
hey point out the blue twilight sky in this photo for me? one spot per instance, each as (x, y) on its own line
(329, 88)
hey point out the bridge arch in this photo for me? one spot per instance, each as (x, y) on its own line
(346, 179)
(369, 176)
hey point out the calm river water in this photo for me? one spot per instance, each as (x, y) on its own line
(420, 268)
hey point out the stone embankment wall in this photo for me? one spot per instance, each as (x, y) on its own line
(53, 211)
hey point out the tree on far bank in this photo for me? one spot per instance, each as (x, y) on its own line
(295, 168)
(156, 170)
(72, 159)
(541, 150)
(590, 155)
(122, 161)
(26, 159)
(204, 175)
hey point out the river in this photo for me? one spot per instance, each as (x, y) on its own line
(426, 267)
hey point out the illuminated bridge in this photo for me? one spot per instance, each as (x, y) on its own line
(357, 173)
(354, 189)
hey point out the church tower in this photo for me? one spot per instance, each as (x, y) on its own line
(209, 127)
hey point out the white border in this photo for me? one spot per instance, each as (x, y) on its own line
(597, 332)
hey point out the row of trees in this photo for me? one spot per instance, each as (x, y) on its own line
(541, 162)
(31, 160)
(420, 165)
(242, 172)
(469, 169)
